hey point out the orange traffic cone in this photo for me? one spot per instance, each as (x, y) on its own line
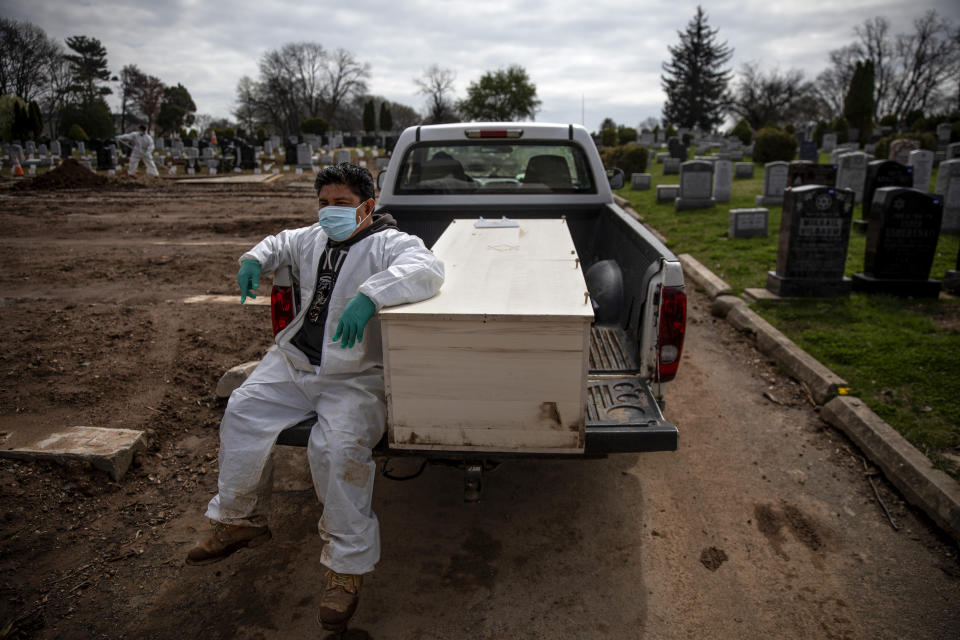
(17, 169)
(213, 138)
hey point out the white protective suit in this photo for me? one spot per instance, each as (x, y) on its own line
(345, 393)
(142, 149)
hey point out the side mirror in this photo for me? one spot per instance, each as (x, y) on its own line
(381, 178)
(616, 178)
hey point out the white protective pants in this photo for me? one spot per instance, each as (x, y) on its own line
(351, 418)
(148, 162)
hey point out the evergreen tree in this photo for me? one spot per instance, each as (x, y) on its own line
(504, 95)
(89, 68)
(369, 116)
(693, 80)
(858, 105)
(386, 117)
(35, 119)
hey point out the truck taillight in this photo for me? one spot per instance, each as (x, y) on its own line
(493, 133)
(281, 307)
(673, 324)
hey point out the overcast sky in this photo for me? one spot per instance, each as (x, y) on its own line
(589, 59)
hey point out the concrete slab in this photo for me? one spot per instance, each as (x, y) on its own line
(239, 179)
(234, 378)
(909, 470)
(756, 295)
(109, 450)
(261, 300)
(702, 276)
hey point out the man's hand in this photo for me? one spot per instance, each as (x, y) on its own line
(248, 277)
(355, 317)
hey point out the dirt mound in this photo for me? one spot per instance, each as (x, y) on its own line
(69, 175)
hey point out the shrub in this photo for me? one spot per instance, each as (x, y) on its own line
(608, 137)
(670, 132)
(626, 134)
(261, 135)
(882, 149)
(225, 133)
(743, 131)
(888, 120)
(77, 133)
(841, 128)
(773, 144)
(818, 132)
(631, 158)
(316, 126)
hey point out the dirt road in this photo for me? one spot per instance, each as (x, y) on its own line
(763, 524)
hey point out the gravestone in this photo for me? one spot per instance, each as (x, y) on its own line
(951, 279)
(304, 157)
(661, 156)
(774, 183)
(901, 243)
(808, 151)
(30, 147)
(953, 151)
(748, 223)
(383, 162)
(667, 192)
(671, 166)
(343, 155)
(55, 148)
(722, 180)
(812, 243)
(743, 170)
(900, 149)
(106, 158)
(159, 143)
(829, 142)
(696, 186)
(852, 173)
(948, 186)
(922, 162)
(677, 149)
(943, 133)
(883, 173)
(248, 157)
(326, 158)
(66, 149)
(800, 173)
(192, 155)
(647, 139)
(42, 150)
(81, 147)
(638, 181)
(290, 154)
(16, 152)
(268, 147)
(854, 136)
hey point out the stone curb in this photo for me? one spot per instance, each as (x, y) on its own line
(911, 472)
(109, 450)
(234, 378)
(713, 285)
(821, 382)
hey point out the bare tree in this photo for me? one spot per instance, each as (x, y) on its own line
(56, 89)
(25, 51)
(346, 77)
(875, 46)
(833, 82)
(437, 85)
(926, 60)
(130, 77)
(247, 110)
(771, 97)
(149, 96)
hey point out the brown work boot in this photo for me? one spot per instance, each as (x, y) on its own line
(341, 592)
(224, 540)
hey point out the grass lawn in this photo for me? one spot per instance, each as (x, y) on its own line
(901, 356)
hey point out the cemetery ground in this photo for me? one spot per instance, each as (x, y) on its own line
(765, 522)
(899, 354)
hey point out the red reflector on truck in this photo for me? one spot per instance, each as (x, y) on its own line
(281, 307)
(672, 325)
(493, 133)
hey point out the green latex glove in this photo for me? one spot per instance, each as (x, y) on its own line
(355, 317)
(147, 156)
(248, 277)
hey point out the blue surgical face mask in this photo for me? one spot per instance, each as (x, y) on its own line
(338, 222)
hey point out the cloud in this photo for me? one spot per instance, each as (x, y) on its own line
(588, 60)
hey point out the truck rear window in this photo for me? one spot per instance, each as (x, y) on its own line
(482, 166)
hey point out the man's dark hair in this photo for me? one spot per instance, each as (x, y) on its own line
(357, 179)
(143, 128)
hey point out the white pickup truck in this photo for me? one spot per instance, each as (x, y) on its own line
(522, 171)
